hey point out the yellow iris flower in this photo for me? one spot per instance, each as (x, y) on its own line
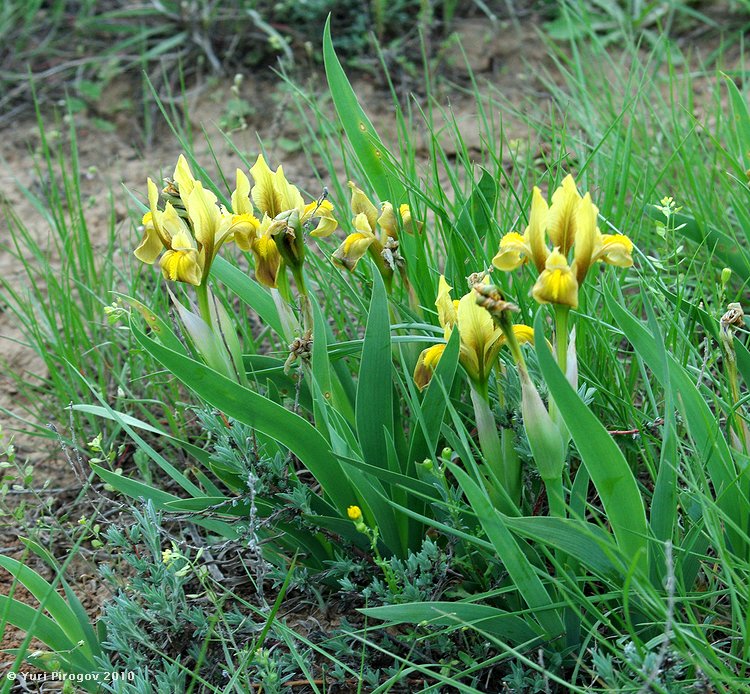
(426, 365)
(192, 240)
(165, 229)
(367, 221)
(266, 254)
(274, 196)
(480, 339)
(356, 244)
(212, 224)
(570, 223)
(279, 235)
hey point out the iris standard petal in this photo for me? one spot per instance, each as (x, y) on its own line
(150, 246)
(561, 221)
(535, 232)
(241, 196)
(479, 337)
(184, 178)
(446, 307)
(361, 204)
(288, 195)
(264, 193)
(204, 214)
(587, 236)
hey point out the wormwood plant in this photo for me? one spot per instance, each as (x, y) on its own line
(387, 425)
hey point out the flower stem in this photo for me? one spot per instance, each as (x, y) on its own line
(561, 353)
(372, 535)
(555, 497)
(304, 300)
(203, 306)
(734, 391)
(506, 470)
(561, 336)
(385, 567)
(506, 326)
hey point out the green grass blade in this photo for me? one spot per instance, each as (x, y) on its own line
(45, 630)
(741, 120)
(115, 416)
(73, 601)
(516, 562)
(458, 614)
(711, 446)
(251, 292)
(58, 609)
(472, 231)
(396, 479)
(158, 326)
(358, 128)
(140, 490)
(374, 409)
(717, 242)
(592, 546)
(430, 412)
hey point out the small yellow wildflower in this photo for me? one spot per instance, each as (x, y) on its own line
(354, 513)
